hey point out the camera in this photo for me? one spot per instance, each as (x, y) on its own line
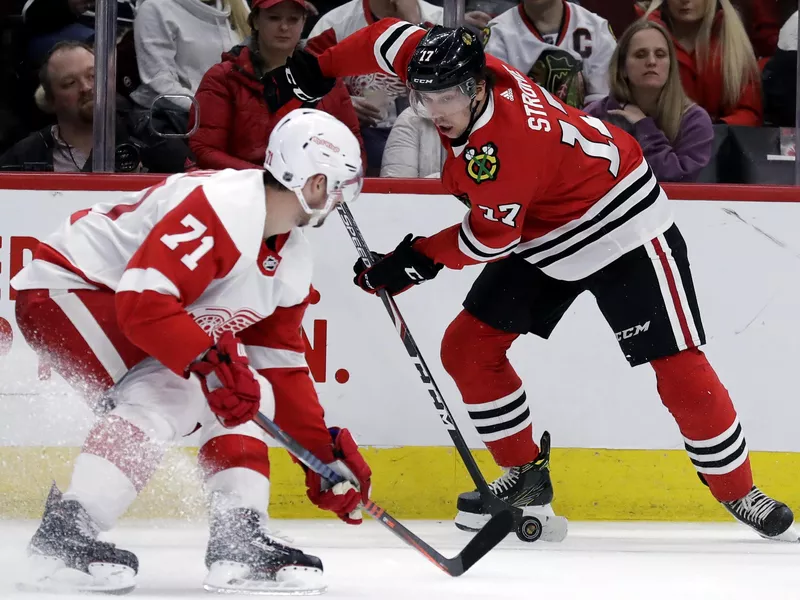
(127, 157)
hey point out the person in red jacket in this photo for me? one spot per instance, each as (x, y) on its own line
(763, 22)
(717, 64)
(235, 117)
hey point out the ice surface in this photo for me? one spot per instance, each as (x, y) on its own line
(598, 561)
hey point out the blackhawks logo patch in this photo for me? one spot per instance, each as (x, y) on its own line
(484, 165)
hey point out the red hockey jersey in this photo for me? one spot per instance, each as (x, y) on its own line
(564, 190)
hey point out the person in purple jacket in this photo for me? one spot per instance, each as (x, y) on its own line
(675, 134)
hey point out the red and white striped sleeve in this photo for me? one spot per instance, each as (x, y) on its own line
(276, 349)
(385, 46)
(184, 252)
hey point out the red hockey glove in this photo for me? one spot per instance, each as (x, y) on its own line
(397, 271)
(234, 394)
(344, 498)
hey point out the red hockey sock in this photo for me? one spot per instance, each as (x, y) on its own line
(231, 451)
(713, 437)
(236, 472)
(474, 354)
(127, 447)
(117, 461)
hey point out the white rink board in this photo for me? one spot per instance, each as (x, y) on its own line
(579, 384)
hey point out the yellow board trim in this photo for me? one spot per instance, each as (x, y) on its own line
(423, 483)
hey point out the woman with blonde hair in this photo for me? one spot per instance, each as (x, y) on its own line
(717, 64)
(645, 89)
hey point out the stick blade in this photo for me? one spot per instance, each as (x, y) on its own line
(494, 532)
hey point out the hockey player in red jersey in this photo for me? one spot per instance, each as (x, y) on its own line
(180, 308)
(559, 203)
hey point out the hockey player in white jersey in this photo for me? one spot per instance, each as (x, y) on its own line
(180, 307)
(561, 46)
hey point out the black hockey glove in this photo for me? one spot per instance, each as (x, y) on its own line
(299, 78)
(397, 271)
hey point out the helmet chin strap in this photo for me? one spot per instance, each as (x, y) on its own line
(474, 115)
(316, 214)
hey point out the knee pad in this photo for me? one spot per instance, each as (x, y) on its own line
(470, 345)
(157, 400)
(685, 377)
(154, 425)
(679, 365)
(691, 391)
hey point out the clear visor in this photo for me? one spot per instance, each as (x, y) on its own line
(348, 191)
(442, 103)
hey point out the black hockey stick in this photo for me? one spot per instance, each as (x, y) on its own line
(493, 503)
(487, 538)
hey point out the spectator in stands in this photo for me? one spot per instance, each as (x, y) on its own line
(762, 22)
(717, 65)
(12, 124)
(235, 117)
(480, 12)
(50, 21)
(177, 41)
(563, 47)
(413, 149)
(675, 134)
(377, 98)
(67, 91)
(618, 13)
(780, 78)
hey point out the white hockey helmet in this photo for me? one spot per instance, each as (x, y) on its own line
(307, 142)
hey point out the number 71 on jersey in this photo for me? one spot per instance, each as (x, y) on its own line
(196, 230)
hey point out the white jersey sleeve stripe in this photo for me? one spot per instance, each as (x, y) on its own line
(80, 316)
(394, 48)
(273, 358)
(150, 279)
(389, 43)
(471, 246)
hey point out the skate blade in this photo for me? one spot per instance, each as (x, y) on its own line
(226, 577)
(789, 536)
(554, 527)
(48, 574)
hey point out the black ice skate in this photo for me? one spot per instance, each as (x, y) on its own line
(769, 518)
(242, 557)
(65, 556)
(527, 487)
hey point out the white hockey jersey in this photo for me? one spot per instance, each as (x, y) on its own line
(187, 260)
(580, 50)
(339, 23)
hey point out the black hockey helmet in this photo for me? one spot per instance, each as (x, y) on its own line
(445, 58)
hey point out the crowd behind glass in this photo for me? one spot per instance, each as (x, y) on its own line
(681, 76)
